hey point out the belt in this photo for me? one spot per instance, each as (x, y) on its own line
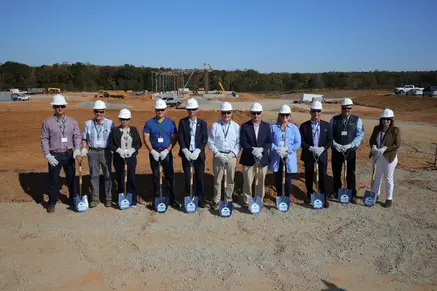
(224, 152)
(97, 149)
(61, 153)
(159, 149)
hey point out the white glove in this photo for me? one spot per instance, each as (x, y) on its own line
(120, 152)
(319, 151)
(347, 146)
(128, 153)
(222, 157)
(163, 154)
(229, 156)
(336, 146)
(52, 160)
(382, 150)
(257, 152)
(374, 149)
(155, 155)
(76, 153)
(312, 149)
(195, 154)
(187, 154)
(84, 152)
(282, 151)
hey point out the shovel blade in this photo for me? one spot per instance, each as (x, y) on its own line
(369, 198)
(123, 201)
(225, 208)
(191, 204)
(344, 195)
(255, 206)
(283, 204)
(161, 204)
(80, 205)
(317, 200)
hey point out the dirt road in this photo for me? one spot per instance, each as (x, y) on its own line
(342, 248)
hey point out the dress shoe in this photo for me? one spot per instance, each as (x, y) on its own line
(326, 205)
(108, 203)
(94, 203)
(175, 204)
(354, 200)
(50, 208)
(387, 204)
(214, 205)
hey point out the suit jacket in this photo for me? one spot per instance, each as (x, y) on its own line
(114, 140)
(392, 140)
(248, 141)
(325, 140)
(200, 139)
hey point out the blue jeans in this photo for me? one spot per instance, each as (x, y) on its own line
(67, 162)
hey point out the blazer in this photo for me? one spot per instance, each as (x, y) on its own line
(325, 140)
(115, 139)
(392, 140)
(200, 139)
(248, 141)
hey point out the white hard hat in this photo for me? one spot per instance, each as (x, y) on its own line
(256, 107)
(192, 104)
(387, 113)
(285, 109)
(99, 104)
(160, 104)
(226, 106)
(124, 114)
(317, 105)
(58, 99)
(346, 101)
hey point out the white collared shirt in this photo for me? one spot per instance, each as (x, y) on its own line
(224, 137)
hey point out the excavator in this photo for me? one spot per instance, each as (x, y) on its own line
(219, 80)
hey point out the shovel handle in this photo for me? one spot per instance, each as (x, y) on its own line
(80, 178)
(225, 176)
(373, 175)
(191, 181)
(125, 176)
(256, 174)
(316, 171)
(283, 177)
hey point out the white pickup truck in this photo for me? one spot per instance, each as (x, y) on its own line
(405, 89)
(20, 97)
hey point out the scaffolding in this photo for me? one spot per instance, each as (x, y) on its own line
(164, 81)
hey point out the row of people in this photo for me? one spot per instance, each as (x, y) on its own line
(266, 146)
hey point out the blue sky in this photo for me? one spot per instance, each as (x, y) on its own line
(268, 36)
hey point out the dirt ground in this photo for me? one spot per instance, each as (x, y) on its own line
(342, 248)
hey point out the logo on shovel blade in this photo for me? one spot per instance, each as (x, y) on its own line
(344, 198)
(283, 206)
(226, 212)
(318, 204)
(161, 207)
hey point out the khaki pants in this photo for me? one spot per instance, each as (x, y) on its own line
(248, 177)
(218, 168)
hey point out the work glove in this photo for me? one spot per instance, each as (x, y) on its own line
(229, 156)
(128, 153)
(257, 152)
(374, 149)
(347, 146)
(312, 149)
(52, 160)
(120, 152)
(84, 152)
(319, 151)
(195, 154)
(382, 150)
(76, 153)
(222, 157)
(187, 154)
(155, 155)
(336, 146)
(282, 151)
(163, 154)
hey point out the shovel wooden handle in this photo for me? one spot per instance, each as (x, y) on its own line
(256, 174)
(373, 176)
(225, 176)
(160, 174)
(316, 171)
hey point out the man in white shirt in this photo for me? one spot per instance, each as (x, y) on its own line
(224, 142)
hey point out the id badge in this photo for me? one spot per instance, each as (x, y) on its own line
(63, 139)
(99, 142)
(344, 132)
(160, 139)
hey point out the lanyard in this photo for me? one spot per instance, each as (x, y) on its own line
(345, 122)
(97, 128)
(315, 129)
(225, 132)
(159, 126)
(62, 125)
(283, 133)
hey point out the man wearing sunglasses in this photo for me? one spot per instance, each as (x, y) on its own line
(256, 141)
(95, 137)
(224, 142)
(60, 143)
(193, 137)
(316, 136)
(348, 132)
(160, 136)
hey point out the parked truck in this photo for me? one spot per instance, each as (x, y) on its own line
(405, 89)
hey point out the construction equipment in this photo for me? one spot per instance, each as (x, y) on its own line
(283, 202)
(344, 195)
(255, 206)
(81, 201)
(225, 207)
(111, 93)
(208, 70)
(191, 202)
(124, 200)
(317, 198)
(370, 197)
(53, 90)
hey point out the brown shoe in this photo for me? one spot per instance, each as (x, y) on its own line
(50, 208)
(108, 203)
(326, 204)
(94, 203)
(214, 205)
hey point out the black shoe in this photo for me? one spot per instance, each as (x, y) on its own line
(326, 205)
(214, 205)
(175, 204)
(201, 203)
(50, 208)
(354, 200)
(387, 204)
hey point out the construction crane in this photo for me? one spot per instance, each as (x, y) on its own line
(208, 70)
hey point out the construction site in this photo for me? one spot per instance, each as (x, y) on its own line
(341, 248)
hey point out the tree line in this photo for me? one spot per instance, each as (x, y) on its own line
(89, 77)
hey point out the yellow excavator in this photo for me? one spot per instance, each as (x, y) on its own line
(53, 90)
(219, 80)
(111, 93)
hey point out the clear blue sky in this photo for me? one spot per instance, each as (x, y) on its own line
(265, 35)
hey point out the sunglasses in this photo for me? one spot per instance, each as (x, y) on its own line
(226, 112)
(59, 106)
(346, 108)
(316, 110)
(284, 115)
(385, 118)
(124, 119)
(192, 109)
(159, 110)
(99, 111)
(256, 113)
